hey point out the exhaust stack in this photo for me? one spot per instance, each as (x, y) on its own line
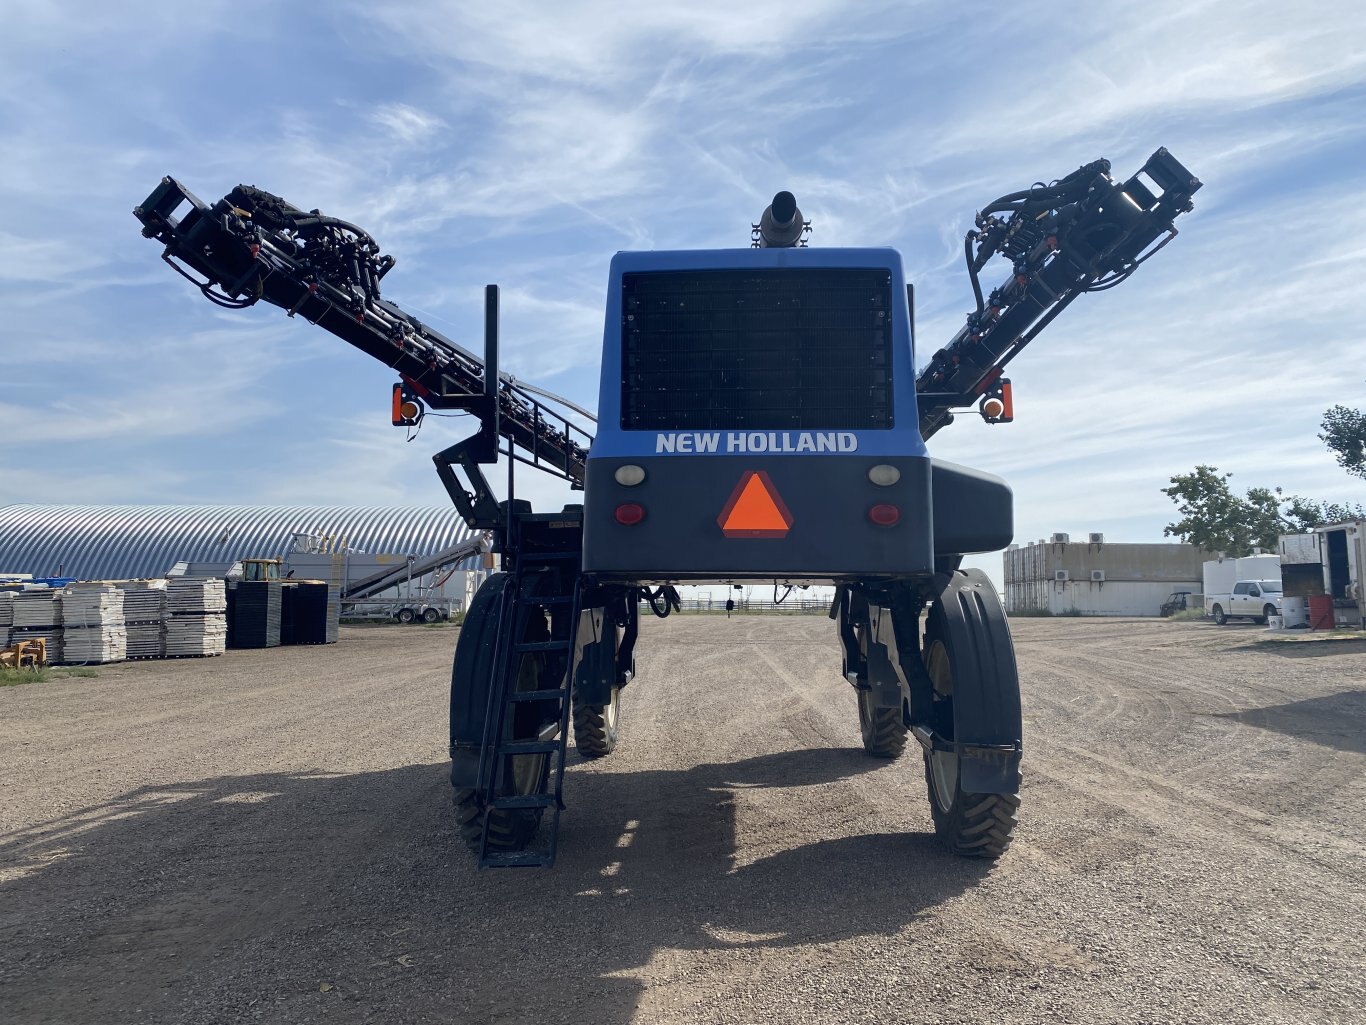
(781, 226)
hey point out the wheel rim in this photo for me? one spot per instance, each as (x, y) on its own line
(610, 710)
(865, 716)
(525, 770)
(943, 764)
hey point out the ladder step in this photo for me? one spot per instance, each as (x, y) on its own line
(567, 599)
(530, 747)
(539, 695)
(543, 646)
(525, 801)
(517, 859)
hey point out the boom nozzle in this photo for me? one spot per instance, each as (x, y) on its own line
(781, 226)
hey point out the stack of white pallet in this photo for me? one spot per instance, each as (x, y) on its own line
(38, 615)
(144, 609)
(92, 624)
(6, 617)
(196, 617)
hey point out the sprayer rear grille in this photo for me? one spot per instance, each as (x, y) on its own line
(729, 349)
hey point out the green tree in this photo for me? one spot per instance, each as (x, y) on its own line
(1306, 513)
(1344, 432)
(1218, 520)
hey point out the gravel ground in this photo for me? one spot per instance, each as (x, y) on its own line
(266, 837)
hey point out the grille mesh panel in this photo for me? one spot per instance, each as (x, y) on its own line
(809, 349)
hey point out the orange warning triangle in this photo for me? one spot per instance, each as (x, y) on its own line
(755, 509)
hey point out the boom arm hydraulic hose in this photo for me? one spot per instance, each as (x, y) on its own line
(1083, 233)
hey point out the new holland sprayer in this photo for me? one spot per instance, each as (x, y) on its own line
(760, 419)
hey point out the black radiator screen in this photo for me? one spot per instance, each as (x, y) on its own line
(729, 349)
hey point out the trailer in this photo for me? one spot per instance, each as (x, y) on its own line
(760, 420)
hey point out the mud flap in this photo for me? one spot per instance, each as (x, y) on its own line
(862, 626)
(988, 732)
(595, 670)
(883, 681)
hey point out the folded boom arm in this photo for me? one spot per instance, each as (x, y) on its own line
(1083, 233)
(252, 246)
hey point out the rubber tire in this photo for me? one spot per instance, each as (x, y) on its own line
(597, 727)
(430, 616)
(509, 829)
(1218, 613)
(1268, 611)
(405, 616)
(969, 825)
(884, 729)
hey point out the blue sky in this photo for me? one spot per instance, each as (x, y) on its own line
(525, 143)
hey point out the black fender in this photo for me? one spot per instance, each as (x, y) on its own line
(987, 728)
(472, 677)
(974, 511)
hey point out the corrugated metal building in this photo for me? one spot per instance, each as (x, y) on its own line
(1096, 578)
(114, 542)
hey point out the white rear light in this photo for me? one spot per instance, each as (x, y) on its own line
(883, 475)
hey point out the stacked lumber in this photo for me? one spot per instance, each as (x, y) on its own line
(195, 596)
(144, 609)
(93, 630)
(196, 617)
(335, 580)
(38, 616)
(333, 626)
(37, 607)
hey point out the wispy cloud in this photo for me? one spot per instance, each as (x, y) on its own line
(406, 124)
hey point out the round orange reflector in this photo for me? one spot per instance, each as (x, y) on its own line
(993, 408)
(884, 514)
(628, 514)
(408, 410)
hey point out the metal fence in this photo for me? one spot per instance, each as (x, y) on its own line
(752, 606)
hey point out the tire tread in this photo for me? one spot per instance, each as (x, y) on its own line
(886, 737)
(592, 738)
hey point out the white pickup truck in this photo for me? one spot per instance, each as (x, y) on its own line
(1249, 599)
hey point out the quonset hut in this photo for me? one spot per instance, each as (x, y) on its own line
(115, 542)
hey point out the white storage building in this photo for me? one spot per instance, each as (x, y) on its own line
(1092, 577)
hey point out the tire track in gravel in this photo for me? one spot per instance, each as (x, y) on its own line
(282, 824)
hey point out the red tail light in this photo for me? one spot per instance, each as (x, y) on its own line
(884, 514)
(628, 514)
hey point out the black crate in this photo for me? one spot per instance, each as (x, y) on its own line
(255, 620)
